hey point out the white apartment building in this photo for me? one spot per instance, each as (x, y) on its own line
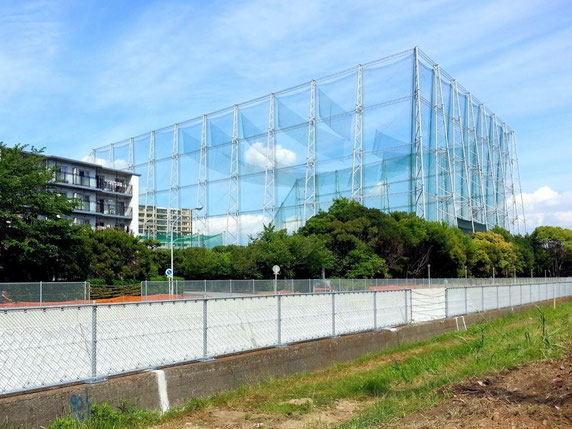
(109, 197)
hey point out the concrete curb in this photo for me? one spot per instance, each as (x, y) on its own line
(175, 385)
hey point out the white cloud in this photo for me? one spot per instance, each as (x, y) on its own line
(546, 206)
(259, 155)
(118, 164)
(250, 224)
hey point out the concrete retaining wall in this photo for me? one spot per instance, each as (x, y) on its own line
(173, 386)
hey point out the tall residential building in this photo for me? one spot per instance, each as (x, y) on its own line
(154, 222)
(109, 197)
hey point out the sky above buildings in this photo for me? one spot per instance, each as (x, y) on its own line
(77, 75)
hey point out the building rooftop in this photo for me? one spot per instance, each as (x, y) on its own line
(91, 164)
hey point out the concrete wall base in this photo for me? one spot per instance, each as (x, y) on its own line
(177, 384)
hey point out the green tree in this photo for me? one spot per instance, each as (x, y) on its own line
(553, 249)
(492, 251)
(37, 241)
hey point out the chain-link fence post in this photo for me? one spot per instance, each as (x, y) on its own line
(446, 303)
(85, 298)
(205, 329)
(41, 292)
(279, 319)
(205, 295)
(333, 314)
(230, 287)
(410, 306)
(94, 342)
(253, 288)
(375, 310)
(407, 320)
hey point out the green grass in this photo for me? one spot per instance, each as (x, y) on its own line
(394, 383)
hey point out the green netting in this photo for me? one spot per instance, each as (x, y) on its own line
(181, 240)
(472, 181)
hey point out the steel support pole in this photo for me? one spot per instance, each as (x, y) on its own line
(446, 303)
(94, 342)
(41, 291)
(333, 314)
(279, 319)
(375, 310)
(205, 330)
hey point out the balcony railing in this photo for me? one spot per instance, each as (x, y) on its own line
(105, 208)
(94, 183)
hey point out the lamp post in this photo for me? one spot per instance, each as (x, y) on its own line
(199, 208)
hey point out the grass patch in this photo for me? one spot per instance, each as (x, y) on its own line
(396, 382)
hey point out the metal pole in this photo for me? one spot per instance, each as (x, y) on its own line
(466, 305)
(275, 283)
(94, 342)
(40, 292)
(375, 310)
(333, 314)
(85, 296)
(205, 288)
(429, 273)
(205, 328)
(230, 286)
(410, 319)
(482, 298)
(446, 303)
(253, 288)
(279, 319)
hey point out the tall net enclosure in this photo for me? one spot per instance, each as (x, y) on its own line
(397, 134)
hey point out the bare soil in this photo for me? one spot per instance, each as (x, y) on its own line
(537, 395)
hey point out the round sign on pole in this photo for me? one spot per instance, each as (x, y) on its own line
(169, 272)
(275, 269)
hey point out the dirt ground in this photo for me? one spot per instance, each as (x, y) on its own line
(537, 395)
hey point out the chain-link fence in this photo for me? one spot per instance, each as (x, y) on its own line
(43, 293)
(54, 345)
(466, 300)
(45, 346)
(177, 289)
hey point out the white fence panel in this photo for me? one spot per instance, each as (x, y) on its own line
(237, 324)
(43, 347)
(306, 316)
(393, 307)
(136, 336)
(354, 312)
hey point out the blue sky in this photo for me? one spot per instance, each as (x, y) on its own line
(76, 75)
